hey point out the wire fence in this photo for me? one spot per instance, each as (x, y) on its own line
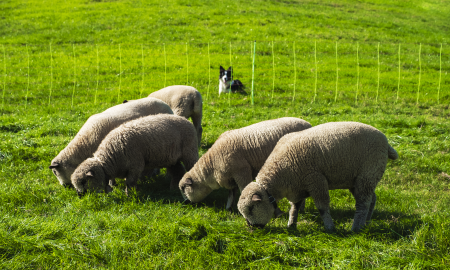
(70, 74)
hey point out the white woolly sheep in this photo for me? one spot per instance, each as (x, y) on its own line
(235, 158)
(185, 101)
(96, 128)
(339, 155)
(156, 141)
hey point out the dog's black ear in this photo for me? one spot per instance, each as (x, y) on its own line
(222, 69)
(125, 101)
(229, 69)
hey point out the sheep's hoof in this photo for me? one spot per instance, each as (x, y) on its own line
(187, 201)
(278, 212)
(292, 226)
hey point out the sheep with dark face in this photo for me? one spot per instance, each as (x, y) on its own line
(185, 101)
(236, 157)
(95, 130)
(340, 155)
(156, 141)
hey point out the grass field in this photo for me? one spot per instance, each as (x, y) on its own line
(62, 61)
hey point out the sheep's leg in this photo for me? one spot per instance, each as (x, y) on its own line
(112, 182)
(189, 159)
(372, 206)
(232, 195)
(149, 173)
(363, 205)
(293, 213)
(176, 172)
(197, 122)
(362, 208)
(301, 206)
(110, 185)
(131, 182)
(320, 194)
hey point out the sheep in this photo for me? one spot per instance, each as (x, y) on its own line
(95, 129)
(185, 101)
(152, 141)
(336, 155)
(235, 158)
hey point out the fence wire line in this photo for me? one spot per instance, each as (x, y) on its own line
(403, 69)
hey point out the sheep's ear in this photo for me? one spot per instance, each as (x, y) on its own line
(53, 165)
(189, 181)
(90, 173)
(124, 101)
(256, 198)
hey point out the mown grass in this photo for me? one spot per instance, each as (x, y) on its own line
(48, 92)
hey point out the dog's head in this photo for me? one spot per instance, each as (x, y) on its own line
(225, 75)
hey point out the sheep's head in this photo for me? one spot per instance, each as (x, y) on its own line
(62, 170)
(255, 206)
(192, 189)
(89, 176)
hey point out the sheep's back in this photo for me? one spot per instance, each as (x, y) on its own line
(340, 151)
(97, 127)
(159, 139)
(254, 143)
(180, 98)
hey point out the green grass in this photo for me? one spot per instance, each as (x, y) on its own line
(51, 81)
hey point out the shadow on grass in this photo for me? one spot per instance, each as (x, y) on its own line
(157, 189)
(385, 225)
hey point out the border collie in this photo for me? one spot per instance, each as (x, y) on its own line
(225, 82)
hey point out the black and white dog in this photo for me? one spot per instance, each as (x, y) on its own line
(225, 82)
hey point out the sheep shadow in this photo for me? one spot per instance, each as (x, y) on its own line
(385, 225)
(157, 189)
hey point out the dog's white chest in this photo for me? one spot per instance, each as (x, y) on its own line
(223, 88)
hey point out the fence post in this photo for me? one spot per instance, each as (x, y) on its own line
(165, 65)
(28, 77)
(273, 68)
(51, 74)
(357, 72)
(295, 75)
(120, 73)
(420, 73)
(315, 65)
(187, 65)
(209, 72)
(337, 73)
(253, 71)
(398, 87)
(378, 83)
(231, 65)
(440, 72)
(74, 74)
(4, 81)
(142, 84)
(98, 71)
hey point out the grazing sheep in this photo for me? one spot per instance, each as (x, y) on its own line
(185, 101)
(340, 155)
(96, 128)
(236, 158)
(154, 141)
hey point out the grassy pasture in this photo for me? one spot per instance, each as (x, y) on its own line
(62, 61)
